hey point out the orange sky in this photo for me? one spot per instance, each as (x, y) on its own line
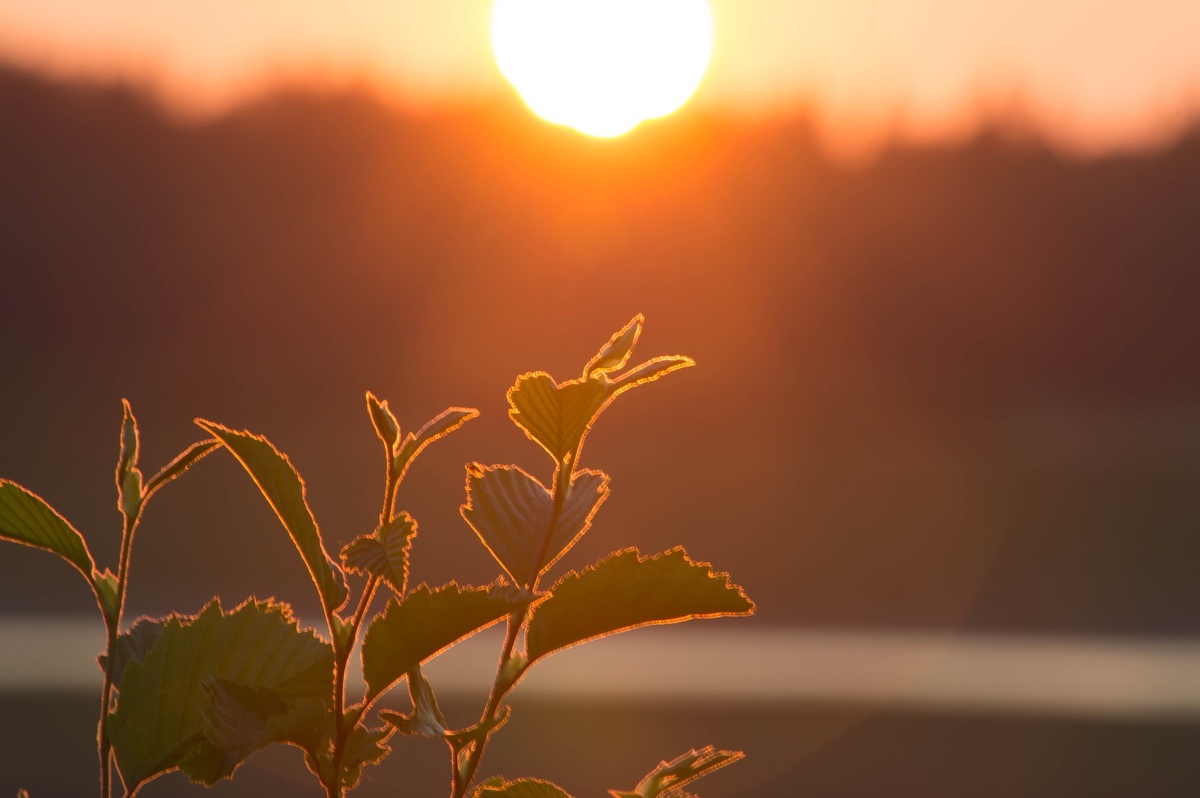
(1095, 75)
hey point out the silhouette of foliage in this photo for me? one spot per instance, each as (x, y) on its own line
(200, 694)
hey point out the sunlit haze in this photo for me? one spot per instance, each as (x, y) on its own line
(1092, 75)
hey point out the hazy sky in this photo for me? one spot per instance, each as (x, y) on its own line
(1098, 74)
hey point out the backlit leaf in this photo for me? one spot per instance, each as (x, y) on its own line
(426, 718)
(521, 788)
(437, 427)
(284, 490)
(384, 553)
(625, 591)
(556, 416)
(364, 746)
(186, 459)
(613, 355)
(240, 720)
(512, 512)
(134, 645)
(427, 622)
(129, 478)
(26, 518)
(105, 584)
(159, 723)
(649, 371)
(236, 717)
(386, 426)
(669, 777)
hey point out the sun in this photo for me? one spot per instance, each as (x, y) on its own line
(603, 66)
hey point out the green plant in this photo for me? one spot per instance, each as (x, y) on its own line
(26, 518)
(202, 693)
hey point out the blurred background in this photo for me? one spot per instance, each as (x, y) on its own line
(938, 263)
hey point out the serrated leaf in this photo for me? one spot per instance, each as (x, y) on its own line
(284, 490)
(669, 777)
(511, 512)
(26, 518)
(133, 646)
(386, 426)
(437, 427)
(129, 478)
(384, 553)
(303, 722)
(364, 746)
(625, 591)
(613, 355)
(159, 721)
(427, 622)
(521, 788)
(185, 460)
(556, 416)
(426, 718)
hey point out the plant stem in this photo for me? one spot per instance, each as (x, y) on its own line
(461, 780)
(501, 687)
(114, 630)
(342, 660)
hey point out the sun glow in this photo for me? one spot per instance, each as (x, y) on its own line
(603, 66)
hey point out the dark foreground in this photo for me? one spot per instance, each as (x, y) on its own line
(589, 747)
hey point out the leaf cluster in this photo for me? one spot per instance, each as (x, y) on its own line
(202, 693)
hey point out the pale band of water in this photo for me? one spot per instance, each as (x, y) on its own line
(1127, 679)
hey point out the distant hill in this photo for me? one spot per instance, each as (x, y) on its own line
(958, 385)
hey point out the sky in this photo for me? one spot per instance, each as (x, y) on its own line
(1095, 75)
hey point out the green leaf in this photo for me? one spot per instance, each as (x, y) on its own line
(437, 427)
(26, 518)
(670, 777)
(512, 512)
(625, 591)
(521, 788)
(556, 416)
(105, 584)
(133, 646)
(284, 490)
(129, 478)
(427, 622)
(240, 720)
(364, 746)
(384, 553)
(386, 426)
(186, 459)
(159, 723)
(613, 355)
(426, 719)
(236, 717)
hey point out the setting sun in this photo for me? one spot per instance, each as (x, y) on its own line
(603, 66)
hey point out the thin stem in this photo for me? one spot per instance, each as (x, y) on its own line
(562, 481)
(461, 780)
(104, 744)
(343, 657)
(502, 685)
